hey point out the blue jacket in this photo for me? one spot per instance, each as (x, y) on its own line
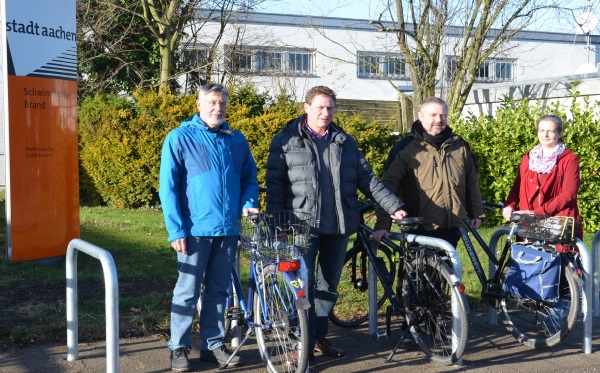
(206, 179)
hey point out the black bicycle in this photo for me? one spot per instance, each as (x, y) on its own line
(427, 297)
(534, 319)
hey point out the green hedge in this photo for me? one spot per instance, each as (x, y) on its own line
(121, 139)
(120, 142)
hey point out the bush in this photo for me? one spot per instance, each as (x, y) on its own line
(374, 139)
(121, 140)
(120, 143)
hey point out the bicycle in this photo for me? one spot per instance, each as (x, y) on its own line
(275, 308)
(427, 298)
(537, 323)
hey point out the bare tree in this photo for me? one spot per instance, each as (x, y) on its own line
(122, 39)
(472, 30)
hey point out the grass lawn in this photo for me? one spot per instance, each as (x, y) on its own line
(33, 295)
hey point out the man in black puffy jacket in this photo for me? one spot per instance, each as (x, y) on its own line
(315, 167)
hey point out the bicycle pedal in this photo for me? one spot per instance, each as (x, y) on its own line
(234, 313)
(379, 335)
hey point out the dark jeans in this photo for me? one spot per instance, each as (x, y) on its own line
(324, 263)
(451, 235)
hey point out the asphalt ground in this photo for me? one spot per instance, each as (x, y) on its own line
(490, 349)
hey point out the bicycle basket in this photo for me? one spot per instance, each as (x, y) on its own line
(552, 229)
(276, 237)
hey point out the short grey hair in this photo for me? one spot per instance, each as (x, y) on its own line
(213, 88)
(433, 100)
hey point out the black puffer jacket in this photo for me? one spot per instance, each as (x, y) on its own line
(292, 176)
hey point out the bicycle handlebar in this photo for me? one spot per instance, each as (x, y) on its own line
(492, 206)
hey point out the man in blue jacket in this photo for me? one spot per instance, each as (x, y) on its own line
(207, 178)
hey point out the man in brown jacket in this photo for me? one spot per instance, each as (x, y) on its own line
(434, 172)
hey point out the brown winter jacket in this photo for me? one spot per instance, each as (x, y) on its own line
(441, 186)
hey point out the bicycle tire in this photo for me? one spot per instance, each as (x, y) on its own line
(428, 290)
(535, 323)
(283, 328)
(352, 306)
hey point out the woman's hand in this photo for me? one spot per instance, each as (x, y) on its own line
(507, 212)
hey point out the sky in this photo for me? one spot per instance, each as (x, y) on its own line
(369, 9)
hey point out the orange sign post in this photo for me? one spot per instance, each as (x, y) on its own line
(42, 177)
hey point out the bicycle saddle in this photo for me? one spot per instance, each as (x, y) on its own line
(410, 221)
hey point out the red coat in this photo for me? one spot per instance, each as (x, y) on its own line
(553, 194)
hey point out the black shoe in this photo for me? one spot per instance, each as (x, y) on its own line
(325, 347)
(179, 359)
(292, 359)
(220, 355)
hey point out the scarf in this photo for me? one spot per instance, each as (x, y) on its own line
(436, 140)
(544, 164)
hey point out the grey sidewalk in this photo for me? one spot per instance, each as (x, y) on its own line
(490, 349)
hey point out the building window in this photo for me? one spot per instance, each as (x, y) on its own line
(377, 65)
(492, 70)
(300, 62)
(280, 61)
(196, 60)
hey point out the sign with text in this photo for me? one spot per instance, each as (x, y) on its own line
(42, 181)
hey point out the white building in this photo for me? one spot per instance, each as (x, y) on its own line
(298, 52)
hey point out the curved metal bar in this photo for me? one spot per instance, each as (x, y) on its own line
(586, 296)
(111, 298)
(456, 267)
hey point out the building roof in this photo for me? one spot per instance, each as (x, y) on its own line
(337, 23)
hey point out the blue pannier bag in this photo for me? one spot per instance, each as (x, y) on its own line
(533, 274)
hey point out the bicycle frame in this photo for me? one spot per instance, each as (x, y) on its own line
(479, 271)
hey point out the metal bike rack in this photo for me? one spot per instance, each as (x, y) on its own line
(236, 330)
(111, 299)
(596, 269)
(589, 278)
(586, 296)
(422, 240)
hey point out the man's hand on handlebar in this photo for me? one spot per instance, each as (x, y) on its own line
(476, 223)
(380, 235)
(251, 210)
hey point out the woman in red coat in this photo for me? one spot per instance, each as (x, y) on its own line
(548, 179)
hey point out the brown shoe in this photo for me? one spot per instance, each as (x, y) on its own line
(292, 359)
(325, 347)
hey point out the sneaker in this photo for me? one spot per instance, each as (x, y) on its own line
(179, 359)
(220, 355)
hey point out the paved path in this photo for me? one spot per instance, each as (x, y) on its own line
(490, 349)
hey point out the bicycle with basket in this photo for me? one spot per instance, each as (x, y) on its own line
(275, 307)
(535, 282)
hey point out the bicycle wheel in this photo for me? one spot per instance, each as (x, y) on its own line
(541, 324)
(283, 335)
(352, 306)
(435, 309)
